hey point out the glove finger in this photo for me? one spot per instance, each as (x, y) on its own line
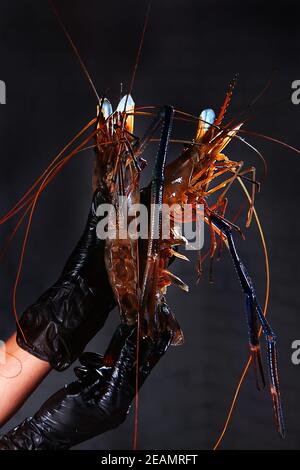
(81, 373)
(90, 359)
(118, 342)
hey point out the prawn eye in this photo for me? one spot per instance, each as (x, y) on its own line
(127, 105)
(106, 109)
(206, 119)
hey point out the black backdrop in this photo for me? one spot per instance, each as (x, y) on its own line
(192, 50)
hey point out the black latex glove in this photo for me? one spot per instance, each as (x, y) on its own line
(68, 315)
(97, 402)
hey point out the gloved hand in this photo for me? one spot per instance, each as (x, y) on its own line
(98, 401)
(67, 316)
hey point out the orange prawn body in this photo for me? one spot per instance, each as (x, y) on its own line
(187, 181)
(116, 174)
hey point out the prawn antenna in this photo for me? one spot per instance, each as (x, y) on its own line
(75, 49)
(264, 90)
(256, 99)
(138, 56)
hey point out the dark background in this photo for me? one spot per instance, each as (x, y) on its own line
(192, 50)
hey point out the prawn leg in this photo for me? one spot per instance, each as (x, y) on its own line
(254, 343)
(254, 313)
(143, 142)
(136, 148)
(150, 279)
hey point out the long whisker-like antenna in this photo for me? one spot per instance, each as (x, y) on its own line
(123, 129)
(75, 49)
(140, 47)
(263, 91)
(138, 56)
(254, 101)
(244, 141)
(271, 139)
